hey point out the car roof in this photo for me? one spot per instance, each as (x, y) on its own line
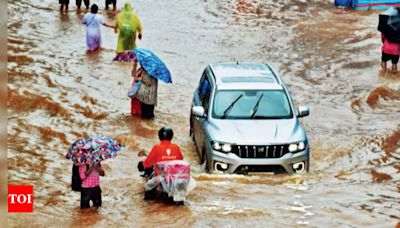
(244, 76)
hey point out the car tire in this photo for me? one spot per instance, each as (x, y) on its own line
(203, 160)
(192, 135)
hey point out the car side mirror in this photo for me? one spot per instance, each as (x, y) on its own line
(198, 111)
(303, 111)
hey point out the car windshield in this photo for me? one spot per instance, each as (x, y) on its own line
(251, 104)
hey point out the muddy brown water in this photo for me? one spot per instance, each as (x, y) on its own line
(328, 57)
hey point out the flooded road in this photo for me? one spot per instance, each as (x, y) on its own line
(329, 59)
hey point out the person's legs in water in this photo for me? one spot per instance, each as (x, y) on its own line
(85, 198)
(135, 107)
(87, 3)
(107, 3)
(147, 111)
(395, 60)
(96, 197)
(114, 2)
(78, 4)
(394, 67)
(150, 195)
(383, 66)
(385, 57)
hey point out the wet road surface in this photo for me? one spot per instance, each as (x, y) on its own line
(328, 57)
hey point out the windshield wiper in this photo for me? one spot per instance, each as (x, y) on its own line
(255, 108)
(227, 110)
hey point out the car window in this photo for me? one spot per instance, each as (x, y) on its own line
(251, 104)
(204, 91)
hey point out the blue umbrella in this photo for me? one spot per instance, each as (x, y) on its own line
(153, 65)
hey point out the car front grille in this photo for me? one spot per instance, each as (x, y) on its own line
(244, 169)
(270, 151)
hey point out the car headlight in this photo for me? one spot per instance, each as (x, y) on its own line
(216, 145)
(223, 147)
(226, 148)
(296, 147)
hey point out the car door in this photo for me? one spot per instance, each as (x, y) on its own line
(201, 98)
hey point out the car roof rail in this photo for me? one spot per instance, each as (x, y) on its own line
(278, 79)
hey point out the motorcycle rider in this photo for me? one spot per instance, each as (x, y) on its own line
(164, 151)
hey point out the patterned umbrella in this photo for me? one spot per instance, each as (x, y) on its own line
(93, 150)
(389, 24)
(153, 65)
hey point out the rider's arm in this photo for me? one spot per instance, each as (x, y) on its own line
(151, 158)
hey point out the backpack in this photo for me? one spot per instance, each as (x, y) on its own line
(127, 30)
(76, 181)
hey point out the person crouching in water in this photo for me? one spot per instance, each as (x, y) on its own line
(164, 151)
(390, 51)
(90, 185)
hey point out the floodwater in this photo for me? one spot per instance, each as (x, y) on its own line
(328, 57)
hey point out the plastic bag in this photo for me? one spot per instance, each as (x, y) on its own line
(174, 178)
(135, 89)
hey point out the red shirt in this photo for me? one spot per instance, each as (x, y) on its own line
(165, 151)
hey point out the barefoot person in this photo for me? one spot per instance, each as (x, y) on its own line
(390, 51)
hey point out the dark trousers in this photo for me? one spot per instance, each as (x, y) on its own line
(93, 194)
(79, 3)
(147, 111)
(63, 4)
(108, 2)
(387, 57)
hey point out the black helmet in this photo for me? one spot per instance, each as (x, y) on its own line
(165, 133)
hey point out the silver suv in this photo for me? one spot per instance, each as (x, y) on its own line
(243, 120)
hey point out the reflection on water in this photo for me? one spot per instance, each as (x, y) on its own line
(328, 57)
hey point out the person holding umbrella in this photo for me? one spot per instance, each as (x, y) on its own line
(152, 69)
(87, 153)
(389, 26)
(90, 176)
(147, 94)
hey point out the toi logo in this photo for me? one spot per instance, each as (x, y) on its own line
(20, 198)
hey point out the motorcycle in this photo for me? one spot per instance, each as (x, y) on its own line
(169, 180)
